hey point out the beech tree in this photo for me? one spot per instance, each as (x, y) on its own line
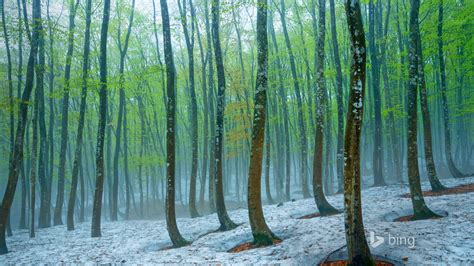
(99, 155)
(260, 231)
(357, 247)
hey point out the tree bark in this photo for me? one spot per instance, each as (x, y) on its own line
(359, 252)
(64, 117)
(176, 238)
(262, 236)
(99, 161)
(321, 97)
(224, 219)
(420, 210)
(80, 126)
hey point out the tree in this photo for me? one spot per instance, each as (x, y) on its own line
(173, 231)
(80, 126)
(123, 48)
(17, 156)
(321, 96)
(420, 210)
(189, 37)
(224, 219)
(99, 155)
(262, 236)
(339, 92)
(357, 247)
(428, 139)
(377, 157)
(64, 116)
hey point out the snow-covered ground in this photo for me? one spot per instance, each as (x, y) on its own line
(447, 240)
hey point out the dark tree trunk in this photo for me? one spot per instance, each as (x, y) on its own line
(359, 252)
(420, 210)
(375, 78)
(99, 161)
(339, 94)
(428, 139)
(193, 112)
(64, 117)
(212, 116)
(176, 238)
(224, 219)
(17, 156)
(80, 126)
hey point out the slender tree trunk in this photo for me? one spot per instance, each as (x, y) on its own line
(375, 78)
(212, 116)
(99, 184)
(321, 96)
(428, 139)
(359, 252)
(224, 219)
(420, 210)
(80, 126)
(339, 94)
(176, 238)
(189, 37)
(65, 113)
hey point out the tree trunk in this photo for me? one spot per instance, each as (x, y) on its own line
(321, 96)
(64, 117)
(428, 140)
(359, 252)
(339, 94)
(224, 219)
(420, 210)
(262, 236)
(80, 126)
(176, 238)
(375, 78)
(99, 161)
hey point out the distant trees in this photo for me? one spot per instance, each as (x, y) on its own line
(357, 247)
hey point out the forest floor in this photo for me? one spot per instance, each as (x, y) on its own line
(305, 241)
